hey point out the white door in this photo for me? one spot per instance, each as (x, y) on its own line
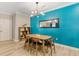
(5, 28)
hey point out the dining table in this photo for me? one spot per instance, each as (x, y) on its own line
(40, 37)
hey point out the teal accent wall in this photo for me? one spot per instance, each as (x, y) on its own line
(68, 33)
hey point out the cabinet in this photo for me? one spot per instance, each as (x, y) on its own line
(23, 31)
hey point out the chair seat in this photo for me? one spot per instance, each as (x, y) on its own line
(39, 42)
(46, 42)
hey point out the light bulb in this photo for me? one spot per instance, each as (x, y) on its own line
(35, 12)
(32, 12)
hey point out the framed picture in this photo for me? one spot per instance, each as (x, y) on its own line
(52, 23)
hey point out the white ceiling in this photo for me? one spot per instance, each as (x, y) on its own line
(27, 7)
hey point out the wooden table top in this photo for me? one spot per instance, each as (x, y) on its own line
(38, 36)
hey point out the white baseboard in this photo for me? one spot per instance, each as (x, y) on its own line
(6, 40)
(72, 48)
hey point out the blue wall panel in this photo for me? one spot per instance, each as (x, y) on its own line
(68, 33)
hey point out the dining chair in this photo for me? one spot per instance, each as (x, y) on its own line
(34, 44)
(37, 44)
(50, 44)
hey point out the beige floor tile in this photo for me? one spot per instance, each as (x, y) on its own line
(10, 48)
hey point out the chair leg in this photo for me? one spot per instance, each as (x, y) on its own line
(25, 45)
(43, 48)
(51, 49)
(46, 49)
(36, 48)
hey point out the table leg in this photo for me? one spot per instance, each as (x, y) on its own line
(54, 49)
(28, 46)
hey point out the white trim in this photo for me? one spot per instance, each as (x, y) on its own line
(73, 48)
(60, 7)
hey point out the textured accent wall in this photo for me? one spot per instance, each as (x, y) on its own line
(68, 33)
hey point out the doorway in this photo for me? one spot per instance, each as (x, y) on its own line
(5, 28)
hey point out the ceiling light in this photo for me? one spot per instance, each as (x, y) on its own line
(37, 10)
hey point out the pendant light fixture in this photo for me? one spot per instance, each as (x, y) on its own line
(36, 12)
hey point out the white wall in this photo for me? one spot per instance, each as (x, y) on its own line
(16, 20)
(19, 19)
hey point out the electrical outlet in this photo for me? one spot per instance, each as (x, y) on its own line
(56, 38)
